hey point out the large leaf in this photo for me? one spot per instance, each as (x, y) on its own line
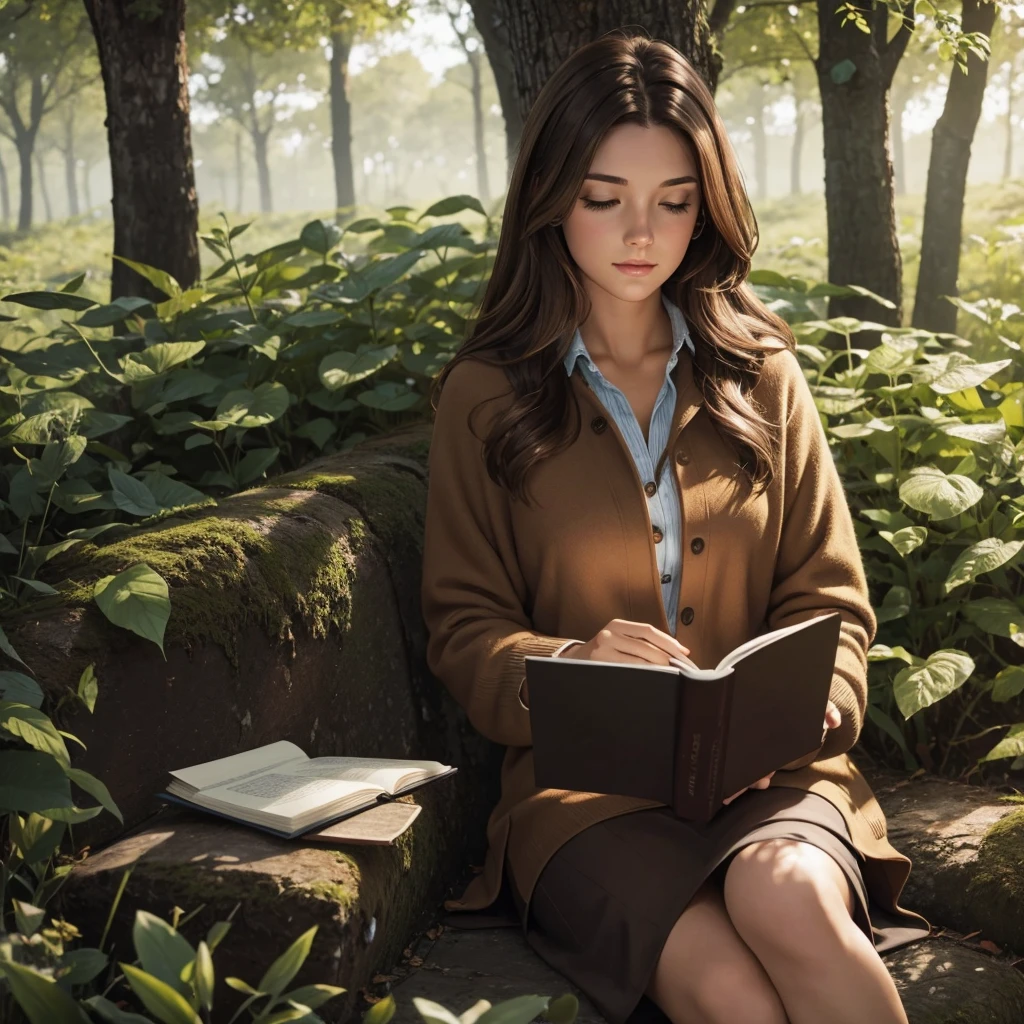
(49, 300)
(1011, 745)
(136, 599)
(131, 495)
(1008, 683)
(339, 369)
(254, 464)
(40, 998)
(930, 490)
(162, 950)
(112, 1013)
(158, 278)
(19, 688)
(320, 236)
(167, 1005)
(158, 359)
(287, 965)
(31, 781)
(966, 375)
(986, 555)
(907, 539)
(95, 788)
(116, 311)
(55, 459)
(998, 616)
(256, 408)
(920, 686)
(34, 727)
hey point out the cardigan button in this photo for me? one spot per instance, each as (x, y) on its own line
(658, 535)
(597, 424)
(650, 488)
(686, 616)
(666, 577)
(696, 545)
(682, 458)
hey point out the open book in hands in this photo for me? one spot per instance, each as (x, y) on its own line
(279, 789)
(682, 735)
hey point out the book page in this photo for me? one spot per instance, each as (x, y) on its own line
(243, 765)
(389, 773)
(759, 641)
(285, 793)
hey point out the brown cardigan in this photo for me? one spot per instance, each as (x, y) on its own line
(502, 581)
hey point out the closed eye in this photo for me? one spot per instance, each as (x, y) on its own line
(592, 204)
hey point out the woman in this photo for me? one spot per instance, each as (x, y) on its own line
(626, 464)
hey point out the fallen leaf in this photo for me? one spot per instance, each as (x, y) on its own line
(970, 935)
(407, 951)
(415, 961)
(989, 945)
(378, 979)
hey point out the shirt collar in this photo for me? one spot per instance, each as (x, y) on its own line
(680, 336)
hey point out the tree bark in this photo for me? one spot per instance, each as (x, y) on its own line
(539, 34)
(947, 181)
(259, 146)
(796, 152)
(145, 79)
(341, 124)
(25, 143)
(863, 248)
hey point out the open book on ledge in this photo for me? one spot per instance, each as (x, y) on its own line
(682, 735)
(280, 789)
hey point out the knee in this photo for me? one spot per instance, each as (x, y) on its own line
(727, 993)
(789, 893)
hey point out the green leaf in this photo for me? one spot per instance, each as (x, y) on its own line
(158, 359)
(286, 966)
(314, 996)
(389, 397)
(19, 688)
(519, 1010)
(5, 646)
(320, 236)
(74, 284)
(88, 687)
(37, 585)
(55, 459)
(449, 205)
(339, 369)
(966, 375)
(158, 278)
(27, 917)
(131, 495)
(136, 599)
(41, 1000)
(72, 815)
(112, 1013)
(256, 408)
(254, 464)
(167, 1005)
(930, 490)
(85, 965)
(1011, 745)
(563, 1009)
(216, 934)
(163, 952)
(986, 555)
(49, 300)
(94, 787)
(1008, 683)
(35, 728)
(895, 605)
(37, 837)
(907, 539)
(976, 433)
(31, 781)
(431, 1012)
(204, 977)
(996, 615)
(920, 686)
(319, 431)
(881, 652)
(173, 494)
(114, 312)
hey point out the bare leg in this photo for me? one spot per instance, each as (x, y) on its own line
(791, 904)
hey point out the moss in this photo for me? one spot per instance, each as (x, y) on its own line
(333, 892)
(225, 571)
(1000, 865)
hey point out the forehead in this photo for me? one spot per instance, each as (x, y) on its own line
(644, 154)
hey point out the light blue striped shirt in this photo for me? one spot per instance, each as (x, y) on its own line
(663, 505)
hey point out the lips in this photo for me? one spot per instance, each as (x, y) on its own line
(633, 263)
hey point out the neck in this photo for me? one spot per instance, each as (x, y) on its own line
(625, 333)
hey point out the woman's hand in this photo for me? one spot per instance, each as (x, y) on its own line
(622, 640)
(833, 718)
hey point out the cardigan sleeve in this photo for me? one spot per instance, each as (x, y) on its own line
(473, 592)
(819, 566)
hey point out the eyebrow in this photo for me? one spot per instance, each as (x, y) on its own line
(622, 181)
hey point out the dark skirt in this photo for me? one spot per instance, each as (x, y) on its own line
(606, 901)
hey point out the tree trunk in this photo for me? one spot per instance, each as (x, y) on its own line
(483, 184)
(899, 159)
(239, 172)
(947, 181)
(87, 186)
(69, 168)
(341, 124)
(863, 248)
(5, 195)
(540, 34)
(43, 190)
(259, 145)
(25, 143)
(145, 79)
(1008, 151)
(796, 152)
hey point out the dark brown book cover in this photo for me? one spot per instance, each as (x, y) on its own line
(686, 739)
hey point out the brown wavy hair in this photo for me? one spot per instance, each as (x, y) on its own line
(535, 299)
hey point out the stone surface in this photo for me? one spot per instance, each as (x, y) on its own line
(940, 981)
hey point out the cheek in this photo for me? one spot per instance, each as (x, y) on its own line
(583, 235)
